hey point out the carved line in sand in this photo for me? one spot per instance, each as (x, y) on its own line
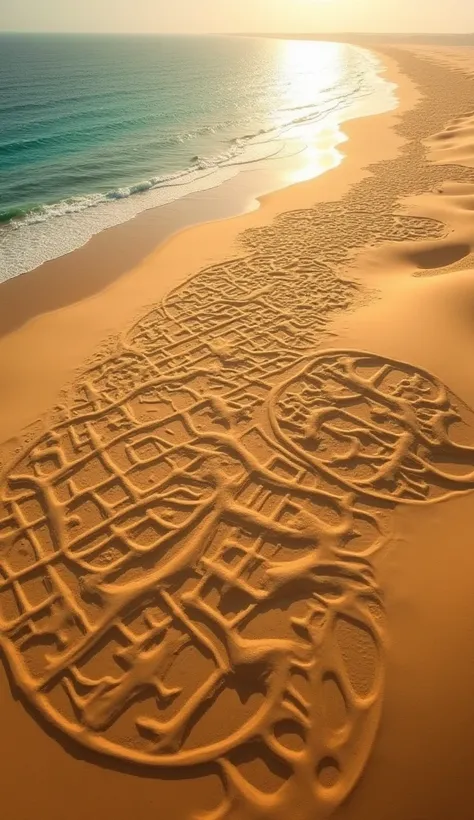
(382, 430)
(185, 570)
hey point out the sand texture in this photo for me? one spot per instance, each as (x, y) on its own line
(192, 540)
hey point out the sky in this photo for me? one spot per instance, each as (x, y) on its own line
(193, 16)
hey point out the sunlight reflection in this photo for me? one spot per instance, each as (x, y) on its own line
(309, 73)
(310, 69)
(320, 155)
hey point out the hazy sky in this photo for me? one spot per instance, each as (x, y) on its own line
(431, 16)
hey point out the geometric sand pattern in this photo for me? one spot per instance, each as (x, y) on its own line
(185, 569)
(382, 428)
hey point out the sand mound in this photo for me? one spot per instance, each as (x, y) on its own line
(455, 144)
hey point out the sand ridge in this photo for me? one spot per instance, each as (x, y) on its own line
(454, 144)
(186, 557)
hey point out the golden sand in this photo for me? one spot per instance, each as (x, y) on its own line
(235, 554)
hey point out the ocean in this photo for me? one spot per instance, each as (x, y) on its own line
(96, 129)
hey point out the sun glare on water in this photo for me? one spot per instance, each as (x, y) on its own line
(311, 67)
(309, 70)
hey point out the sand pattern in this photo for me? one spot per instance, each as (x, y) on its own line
(460, 58)
(372, 213)
(380, 428)
(188, 541)
(186, 573)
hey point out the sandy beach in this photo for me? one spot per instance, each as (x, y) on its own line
(236, 493)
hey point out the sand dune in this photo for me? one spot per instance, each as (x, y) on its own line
(189, 549)
(455, 144)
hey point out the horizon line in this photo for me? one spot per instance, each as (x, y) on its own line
(249, 33)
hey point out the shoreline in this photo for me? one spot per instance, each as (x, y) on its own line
(72, 322)
(118, 249)
(282, 139)
(61, 281)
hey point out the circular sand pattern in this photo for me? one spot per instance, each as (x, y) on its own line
(176, 586)
(143, 566)
(378, 426)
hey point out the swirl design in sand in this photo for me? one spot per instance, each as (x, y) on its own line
(380, 427)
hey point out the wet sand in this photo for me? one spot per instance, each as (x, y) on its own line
(118, 250)
(235, 575)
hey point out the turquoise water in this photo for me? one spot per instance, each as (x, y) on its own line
(88, 122)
